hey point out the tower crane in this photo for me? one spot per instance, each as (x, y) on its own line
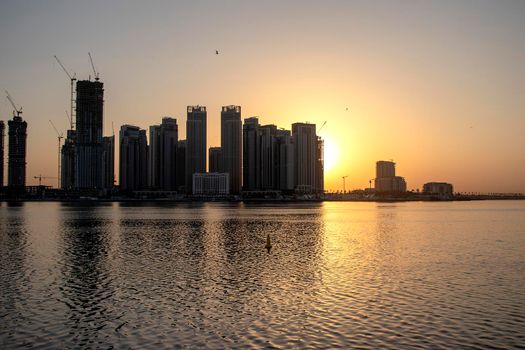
(322, 126)
(60, 136)
(17, 110)
(72, 79)
(93, 66)
(344, 183)
(40, 177)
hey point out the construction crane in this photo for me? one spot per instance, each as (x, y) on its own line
(60, 136)
(40, 177)
(344, 183)
(93, 66)
(72, 79)
(321, 128)
(17, 110)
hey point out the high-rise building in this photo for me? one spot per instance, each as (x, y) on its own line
(68, 163)
(16, 164)
(284, 161)
(181, 166)
(214, 156)
(195, 143)
(231, 146)
(154, 157)
(89, 145)
(267, 156)
(133, 158)
(319, 167)
(305, 156)
(385, 169)
(108, 163)
(386, 179)
(2, 134)
(251, 154)
(169, 135)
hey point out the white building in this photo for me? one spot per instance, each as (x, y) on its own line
(211, 184)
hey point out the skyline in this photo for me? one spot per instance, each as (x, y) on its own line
(397, 83)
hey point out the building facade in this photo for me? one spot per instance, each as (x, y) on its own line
(267, 157)
(305, 156)
(438, 188)
(214, 156)
(16, 163)
(251, 151)
(231, 146)
(133, 158)
(319, 167)
(154, 157)
(386, 179)
(2, 135)
(211, 184)
(68, 163)
(89, 128)
(181, 166)
(169, 135)
(284, 161)
(108, 161)
(196, 129)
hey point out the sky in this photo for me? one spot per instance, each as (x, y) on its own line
(437, 86)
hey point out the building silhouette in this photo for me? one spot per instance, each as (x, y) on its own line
(284, 161)
(169, 135)
(89, 143)
(210, 184)
(319, 167)
(438, 188)
(251, 146)
(267, 156)
(68, 163)
(133, 158)
(181, 166)
(2, 134)
(16, 163)
(231, 146)
(108, 161)
(195, 143)
(214, 156)
(386, 179)
(305, 157)
(154, 157)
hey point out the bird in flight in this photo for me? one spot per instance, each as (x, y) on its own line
(216, 52)
(347, 108)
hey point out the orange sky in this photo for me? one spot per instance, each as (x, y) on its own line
(437, 86)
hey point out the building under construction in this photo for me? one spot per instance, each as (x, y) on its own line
(16, 172)
(89, 146)
(67, 176)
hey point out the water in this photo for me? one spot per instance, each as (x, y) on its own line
(369, 275)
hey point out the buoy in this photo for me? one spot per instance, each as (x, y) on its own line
(268, 245)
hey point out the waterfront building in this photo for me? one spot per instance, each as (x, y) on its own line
(231, 146)
(16, 163)
(267, 158)
(89, 143)
(319, 167)
(68, 163)
(251, 154)
(154, 157)
(133, 158)
(181, 166)
(2, 134)
(438, 188)
(195, 142)
(168, 154)
(214, 156)
(284, 161)
(211, 184)
(108, 161)
(386, 179)
(305, 156)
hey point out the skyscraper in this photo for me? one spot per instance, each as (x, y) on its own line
(251, 154)
(284, 161)
(168, 154)
(305, 156)
(2, 134)
(386, 179)
(108, 163)
(16, 171)
(267, 157)
(133, 158)
(181, 166)
(231, 146)
(195, 143)
(154, 157)
(214, 156)
(68, 163)
(89, 145)
(319, 166)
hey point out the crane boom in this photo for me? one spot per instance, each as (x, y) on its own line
(17, 110)
(64, 68)
(322, 126)
(54, 127)
(93, 66)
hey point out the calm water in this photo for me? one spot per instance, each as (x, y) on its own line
(403, 275)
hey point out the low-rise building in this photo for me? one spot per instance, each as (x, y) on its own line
(439, 188)
(211, 184)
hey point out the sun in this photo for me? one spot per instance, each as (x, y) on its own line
(331, 153)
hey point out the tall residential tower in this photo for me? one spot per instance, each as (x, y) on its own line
(195, 143)
(16, 171)
(231, 146)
